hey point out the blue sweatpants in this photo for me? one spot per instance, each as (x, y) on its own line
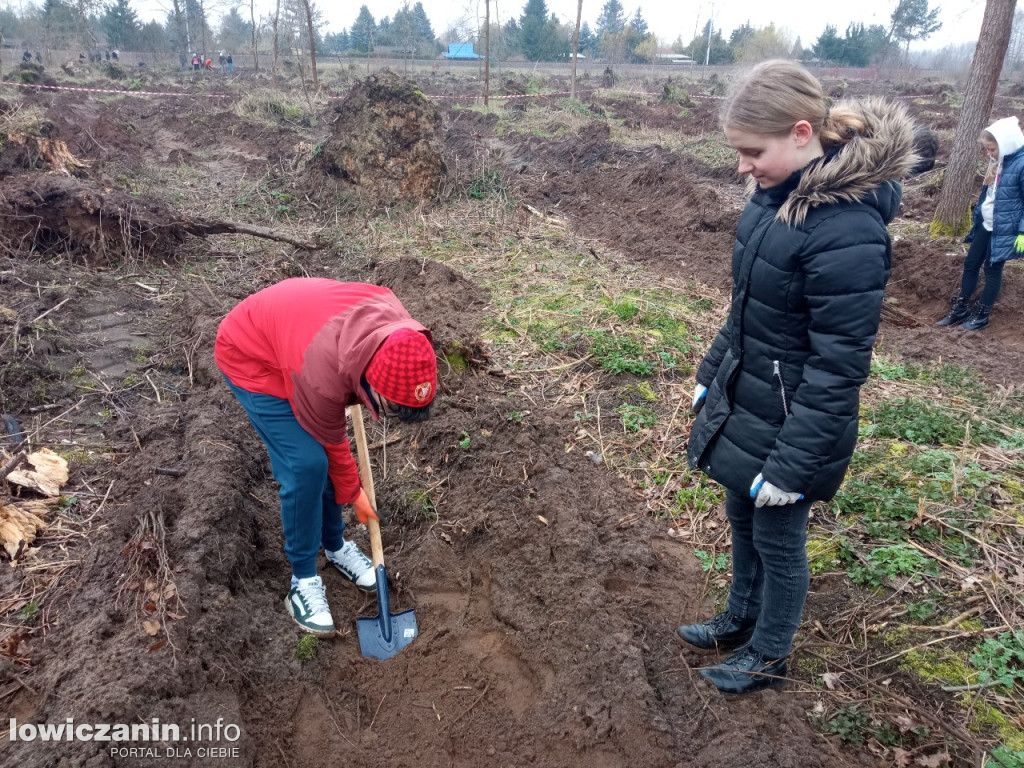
(309, 515)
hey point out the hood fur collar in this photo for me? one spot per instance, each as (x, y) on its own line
(883, 152)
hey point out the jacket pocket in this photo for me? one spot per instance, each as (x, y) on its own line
(779, 385)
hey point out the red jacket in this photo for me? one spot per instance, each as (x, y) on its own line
(308, 341)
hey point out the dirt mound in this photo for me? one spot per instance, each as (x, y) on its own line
(387, 141)
(439, 297)
(658, 206)
(55, 214)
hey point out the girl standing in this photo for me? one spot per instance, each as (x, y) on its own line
(998, 231)
(778, 392)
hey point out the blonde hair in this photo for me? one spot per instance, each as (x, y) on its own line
(992, 165)
(777, 94)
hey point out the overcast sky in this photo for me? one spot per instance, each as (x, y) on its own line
(668, 19)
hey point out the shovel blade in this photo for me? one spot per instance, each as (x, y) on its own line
(384, 636)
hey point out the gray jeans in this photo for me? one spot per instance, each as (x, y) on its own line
(770, 577)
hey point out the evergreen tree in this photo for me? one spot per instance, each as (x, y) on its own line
(588, 42)
(153, 37)
(361, 34)
(10, 24)
(511, 37)
(424, 32)
(741, 34)
(536, 36)
(912, 20)
(797, 54)
(120, 26)
(829, 46)
(638, 23)
(612, 19)
(336, 42)
(384, 33)
(235, 32)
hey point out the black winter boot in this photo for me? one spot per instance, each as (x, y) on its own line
(979, 317)
(959, 310)
(723, 632)
(746, 671)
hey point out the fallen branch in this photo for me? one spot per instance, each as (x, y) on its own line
(12, 465)
(204, 228)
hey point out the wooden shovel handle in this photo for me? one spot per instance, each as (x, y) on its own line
(355, 414)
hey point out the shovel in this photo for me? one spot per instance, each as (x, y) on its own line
(382, 637)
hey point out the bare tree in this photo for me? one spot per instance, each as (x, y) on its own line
(954, 200)
(255, 37)
(312, 42)
(487, 51)
(575, 48)
(277, 41)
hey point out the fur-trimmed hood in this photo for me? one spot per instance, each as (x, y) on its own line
(883, 153)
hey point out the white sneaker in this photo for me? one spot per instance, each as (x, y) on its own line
(307, 604)
(354, 566)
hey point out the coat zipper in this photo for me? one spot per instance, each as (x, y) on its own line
(782, 386)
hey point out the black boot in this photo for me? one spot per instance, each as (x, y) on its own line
(723, 631)
(746, 671)
(979, 317)
(959, 311)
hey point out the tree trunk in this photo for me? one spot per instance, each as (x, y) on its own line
(575, 48)
(487, 51)
(958, 186)
(255, 47)
(277, 21)
(312, 43)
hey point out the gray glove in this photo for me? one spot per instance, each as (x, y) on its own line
(771, 495)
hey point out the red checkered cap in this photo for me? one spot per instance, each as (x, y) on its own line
(404, 369)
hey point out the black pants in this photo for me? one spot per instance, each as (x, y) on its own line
(977, 256)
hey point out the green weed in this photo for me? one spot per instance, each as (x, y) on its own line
(709, 562)
(884, 563)
(1000, 659)
(914, 420)
(635, 418)
(29, 612)
(306, 647)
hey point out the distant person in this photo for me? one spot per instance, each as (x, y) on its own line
(777, 395)
(296, 355)
(997, 232)
(113, 55)
(39, 57)
(106, 55)
(26, 57)
(195, 62)
(221, 61)
(209, 63)
(231, 65)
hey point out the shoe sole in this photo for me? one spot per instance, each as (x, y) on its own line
(764, 683)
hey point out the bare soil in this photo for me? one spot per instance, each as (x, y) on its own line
(546, 598)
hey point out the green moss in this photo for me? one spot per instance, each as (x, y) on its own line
(306, 647)
(988, 717)
(941, 229)
(456, 362)
(941, 666)
(823, 554)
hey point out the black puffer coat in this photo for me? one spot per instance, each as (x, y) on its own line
(810, 264)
